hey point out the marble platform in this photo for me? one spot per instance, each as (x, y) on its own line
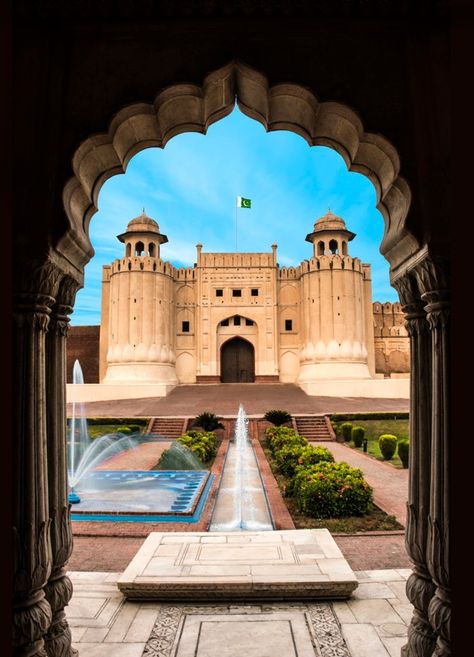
(300, 564)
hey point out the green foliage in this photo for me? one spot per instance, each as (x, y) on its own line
(279, 436)
(358, 434)
(292, 455)
(116, 421)
(335, 427)
(376, 415)
(208, 421)
(346, 431)
(203, 444)
(331, 490)
(388, 445)
(277, 417)
(403, 452)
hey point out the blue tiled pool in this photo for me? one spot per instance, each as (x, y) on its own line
(142, 496)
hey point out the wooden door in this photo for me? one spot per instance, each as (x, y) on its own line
(237, 361)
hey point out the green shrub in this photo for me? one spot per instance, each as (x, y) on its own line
(208, 421)
(387, 445)
(346, 431)
(277, 417)
(293, 455)
(358, 434)
(331, 490)
(335, 427)
(204, 445)
(403, 452)
(279, 436)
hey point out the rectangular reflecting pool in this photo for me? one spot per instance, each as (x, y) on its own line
(142, 496)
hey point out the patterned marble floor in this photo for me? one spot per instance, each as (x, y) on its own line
(372, 623)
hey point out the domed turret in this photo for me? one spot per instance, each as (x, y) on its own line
(330, 235)
(142, 237)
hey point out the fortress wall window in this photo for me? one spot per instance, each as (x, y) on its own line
(185, 327)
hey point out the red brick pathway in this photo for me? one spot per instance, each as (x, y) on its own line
(390, 484)
(363, 552)
(141, 457)
(224, 399)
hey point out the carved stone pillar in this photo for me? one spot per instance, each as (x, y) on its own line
(34, 294)
(420, 588)
(59, 587)
(433, 278)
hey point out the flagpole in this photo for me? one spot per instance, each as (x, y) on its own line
(236, 208)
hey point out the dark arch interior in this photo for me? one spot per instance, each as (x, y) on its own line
(237, 361)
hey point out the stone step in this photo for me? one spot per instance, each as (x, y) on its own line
(313, 428)
(297, 564)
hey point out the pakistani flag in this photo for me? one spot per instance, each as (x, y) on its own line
(243, 202)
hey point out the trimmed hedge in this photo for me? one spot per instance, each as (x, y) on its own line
(203, 444)
(403, 451)
(388, 445)
(376, 415)
(331, 490)
(358, 434)
(141, 421)
(346, 431)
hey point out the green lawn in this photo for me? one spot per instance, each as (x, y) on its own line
(97, 430)
(374, 429)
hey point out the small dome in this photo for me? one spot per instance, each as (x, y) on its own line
(143, 223)
(330, 221)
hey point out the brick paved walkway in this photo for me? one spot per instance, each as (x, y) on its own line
(390, 484)
(141, 457)
(224, 399)
(363, 552)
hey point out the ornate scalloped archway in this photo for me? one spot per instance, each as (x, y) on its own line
(190, 108)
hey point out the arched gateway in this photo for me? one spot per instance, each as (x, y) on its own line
(51, 249)
(237, 361)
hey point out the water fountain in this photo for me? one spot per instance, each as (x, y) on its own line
(169, 495)
(84, 454)
(241, 502)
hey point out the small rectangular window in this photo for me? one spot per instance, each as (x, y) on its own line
(219, 293)
(225, 322)
(249, 322)
(254, 292)
(237, 320)
(288, 324)
(185, 327)
(236, 293)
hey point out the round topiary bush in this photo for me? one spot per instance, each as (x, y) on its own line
(358, 434)
(388, 445)
(331, 490)
(403, 451)
(346, 431)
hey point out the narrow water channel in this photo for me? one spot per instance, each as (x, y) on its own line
(241, 502)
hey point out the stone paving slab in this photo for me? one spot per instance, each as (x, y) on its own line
(249, 629)
(277, 565)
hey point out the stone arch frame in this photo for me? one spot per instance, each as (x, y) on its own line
(48, 288)
(190, 108)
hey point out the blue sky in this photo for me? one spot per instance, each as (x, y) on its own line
(190, 189)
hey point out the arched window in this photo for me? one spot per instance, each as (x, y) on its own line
(139, 248)
(151, 250)
(320, 248)
(344, 247)
(128, 250)
(333, 246)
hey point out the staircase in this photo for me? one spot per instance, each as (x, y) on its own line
(314, 427)
(167, 427)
